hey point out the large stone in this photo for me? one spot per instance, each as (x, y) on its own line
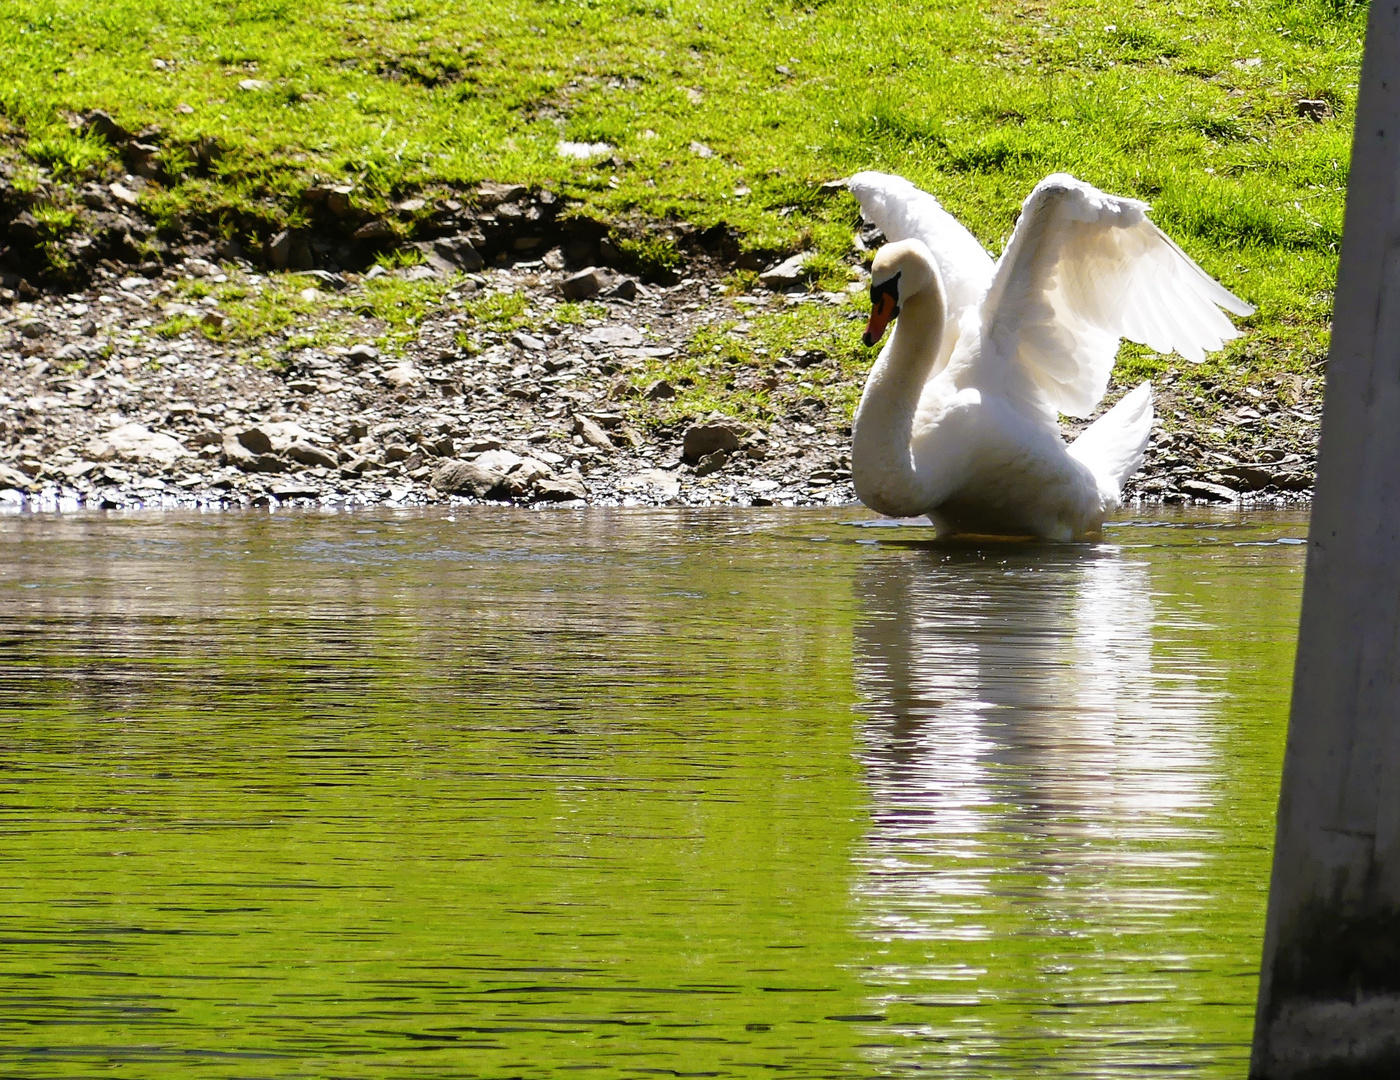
(482, 476)
(660, 482)
(591, 433)
(13, 479)
(24, 229)
(587, 282)
(254, 439)
(305, 454)
(265, 447)
(402, 375)
(467, 478)
(103, 126)
(711, 463)
(279, 250)
(1204, 489)
(786, 274)
(1247, 477)
(237, 454)
(702, 440)
(373, 231)
(458, 252)
(491, 194)
(136, 442)
(564, 488)
(616, 335)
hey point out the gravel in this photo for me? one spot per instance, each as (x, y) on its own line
(96, 410)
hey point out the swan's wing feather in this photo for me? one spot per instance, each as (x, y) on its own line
(1084, 269)
(904, 212)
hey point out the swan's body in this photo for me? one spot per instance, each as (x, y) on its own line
(959, 417)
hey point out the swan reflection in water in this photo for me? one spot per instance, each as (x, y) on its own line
(1041, 774)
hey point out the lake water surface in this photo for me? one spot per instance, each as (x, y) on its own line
(624, 793)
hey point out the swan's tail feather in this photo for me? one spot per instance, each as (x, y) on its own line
(1114, 445)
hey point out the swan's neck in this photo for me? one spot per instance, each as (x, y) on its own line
(882, 464)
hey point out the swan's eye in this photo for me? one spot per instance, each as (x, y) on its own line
(889, 287)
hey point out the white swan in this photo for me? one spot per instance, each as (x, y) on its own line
(959, 417)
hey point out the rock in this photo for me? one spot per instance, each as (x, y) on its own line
(373, 231)
(14, 480)
(124, 195)
(324, 278)
(564, 488)
(625, 289)
(305, 454)
(1203, 489)
(786, 274)
(136, 442)
(33, 328)
(285, 492)
(591, 433)
(279, 250)
(212, 320)
(1312, 109)
(362, 353)
(663, 483)
(527, 341)
(476, 478)
(424, 271)
(1248, 477)
(253, 85)
(338, 200)
(491, 194)
(660, 390)
(453, 252)
(615, 335)
(585, 283)
(24, 229)
(711, 463)
(143, 159)
(103, 126)
(703, 440)
(253, 439)
(402, 374)
(521, 479)
(237, 454)
(700, 150)
(1292, 480)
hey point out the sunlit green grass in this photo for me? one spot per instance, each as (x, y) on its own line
(1191, 106)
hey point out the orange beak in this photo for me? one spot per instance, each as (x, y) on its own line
(882, 310)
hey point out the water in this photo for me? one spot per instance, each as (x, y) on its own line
(735, 794)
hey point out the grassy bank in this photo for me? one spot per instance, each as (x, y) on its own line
(720, 113)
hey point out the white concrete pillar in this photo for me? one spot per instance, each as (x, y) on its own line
(1329, 992)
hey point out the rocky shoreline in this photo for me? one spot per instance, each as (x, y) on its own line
(113, 397)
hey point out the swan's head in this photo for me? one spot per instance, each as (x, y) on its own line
(901, 270)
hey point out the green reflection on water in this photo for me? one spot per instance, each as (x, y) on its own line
(717, 793)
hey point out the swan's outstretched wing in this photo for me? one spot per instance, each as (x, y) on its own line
(903, 212)
(1084, 269)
